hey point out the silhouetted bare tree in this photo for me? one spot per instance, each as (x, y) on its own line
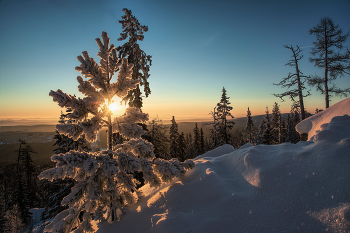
(293, 79)
(335, 64)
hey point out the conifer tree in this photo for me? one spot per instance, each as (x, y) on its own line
(238, 139)
(214, 135)
(296, 118)
(55, 191)
(259, 136)
(133, 31)
(223, 113)
(202, 143)
(190, 151)
(249, 127)
(105, 184)
(196, 140)
(267, 136)
(65, 143)
(293, 79)
(181, 155)
(275, 122)
(13, 221)
(5, 191)
(174, 134)
(29, 170)
(318, 110)
(282, 130)
(292, 135)
(53, 194)
(91, 113)
(275, 115)
(335, 64)
(290, 132)
(23, 187)
(157, 135)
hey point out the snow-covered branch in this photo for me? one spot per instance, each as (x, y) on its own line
(105, 182)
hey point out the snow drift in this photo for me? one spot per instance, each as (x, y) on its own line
(314, 123)
(301, 187)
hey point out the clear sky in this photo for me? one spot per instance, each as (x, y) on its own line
(197, 47)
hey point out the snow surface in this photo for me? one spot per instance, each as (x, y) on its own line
(301, 187)
(315, 122)
(35, 225)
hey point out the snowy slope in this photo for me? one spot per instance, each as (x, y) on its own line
(302, 187)
(315, 122)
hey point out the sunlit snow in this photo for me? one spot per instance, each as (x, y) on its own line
(303, 187)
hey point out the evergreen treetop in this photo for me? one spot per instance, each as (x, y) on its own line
(249, 126)
(133, 31)
(267, 136)
(223, 123)
(196, 140)
(174, 134)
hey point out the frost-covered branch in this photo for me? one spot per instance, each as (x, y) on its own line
(105, 184)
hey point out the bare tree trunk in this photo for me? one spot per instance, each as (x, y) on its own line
(300, 94)
(326, 70)
(326, 85)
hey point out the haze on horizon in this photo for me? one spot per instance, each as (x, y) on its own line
(197, 47)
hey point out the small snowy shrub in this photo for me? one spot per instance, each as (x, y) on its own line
(105, 184)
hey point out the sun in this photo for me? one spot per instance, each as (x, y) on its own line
(113, 107)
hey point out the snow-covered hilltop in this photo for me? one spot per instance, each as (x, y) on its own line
(300, 187)
(315, 122)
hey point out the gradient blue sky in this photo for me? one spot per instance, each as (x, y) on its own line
(197, 47)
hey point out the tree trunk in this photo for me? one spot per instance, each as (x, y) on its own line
(110, 130)
(326, 86)
(326, 70)
(301, 101)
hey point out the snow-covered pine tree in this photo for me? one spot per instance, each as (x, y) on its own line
(55, 191)
(53, 194)
(224, 124)
(134, 31)
(275, 121)
(174, 134)
(267, 136)
(104, 180)
(65, 143)
(249, 127)
(259, 135)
